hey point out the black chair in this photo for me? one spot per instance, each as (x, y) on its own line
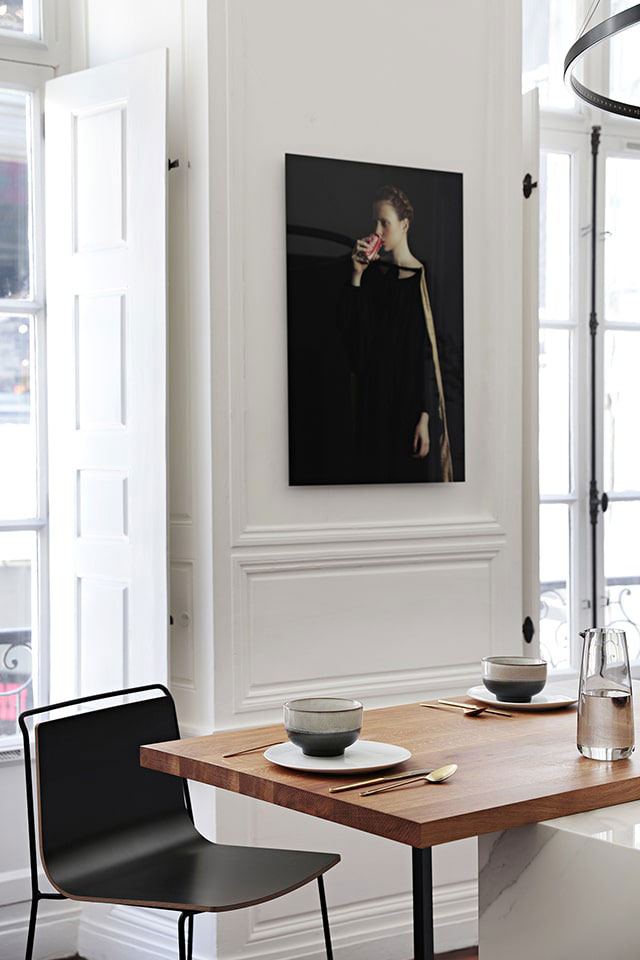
(114, 832)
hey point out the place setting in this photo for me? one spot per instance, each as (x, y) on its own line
(516, 683)
(519, 683)
(324, 738)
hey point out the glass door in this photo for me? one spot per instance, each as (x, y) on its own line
(621, 394)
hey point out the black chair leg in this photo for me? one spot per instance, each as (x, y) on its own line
(325, 919)
(32, 928)
(182, 945)
(190, 938)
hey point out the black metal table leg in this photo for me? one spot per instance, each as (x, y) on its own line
(422, 904)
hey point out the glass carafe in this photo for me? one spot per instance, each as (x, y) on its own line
(605, 704)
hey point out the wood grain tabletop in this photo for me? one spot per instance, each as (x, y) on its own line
(510, 772)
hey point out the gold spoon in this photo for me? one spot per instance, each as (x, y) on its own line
(436, 776)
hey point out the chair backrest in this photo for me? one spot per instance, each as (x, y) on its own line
(90, 781)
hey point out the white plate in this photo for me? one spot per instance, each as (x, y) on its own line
(360, 757)
(547, 700)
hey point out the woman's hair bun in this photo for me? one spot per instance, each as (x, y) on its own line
(398, 200)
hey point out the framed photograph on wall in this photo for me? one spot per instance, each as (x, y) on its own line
(375, 323)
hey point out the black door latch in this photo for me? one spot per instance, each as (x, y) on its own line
(528, 629)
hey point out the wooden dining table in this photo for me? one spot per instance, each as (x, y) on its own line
(511, 771)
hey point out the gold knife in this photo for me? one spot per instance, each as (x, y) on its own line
(367, 783)
(470, 706)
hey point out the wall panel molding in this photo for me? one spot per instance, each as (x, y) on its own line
(291, 534)
(128, 933)
(270, 697)
(15, 886)
(382, 926)
(316, 557)
(56, 932)
(264, 619)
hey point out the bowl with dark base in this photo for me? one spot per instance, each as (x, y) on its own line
(514, 679)
(323, 726)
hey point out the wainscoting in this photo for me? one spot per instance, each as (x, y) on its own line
(386, 593)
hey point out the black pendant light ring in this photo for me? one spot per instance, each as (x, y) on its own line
(602, 31)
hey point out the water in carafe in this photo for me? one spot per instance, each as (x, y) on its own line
(605, 705)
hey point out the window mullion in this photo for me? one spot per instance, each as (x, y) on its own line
(21, 307)
(31, 523)
(579, 245)
(581, 604)
(599, 385)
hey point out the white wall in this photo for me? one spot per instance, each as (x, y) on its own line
(387, 593)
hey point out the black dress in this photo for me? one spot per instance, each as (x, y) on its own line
(393, 377)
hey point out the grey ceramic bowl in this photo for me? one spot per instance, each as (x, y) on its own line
(323, 726)
(514, 679)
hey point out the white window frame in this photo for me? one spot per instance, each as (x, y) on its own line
(35, 35)
(575, 143)
(55, 20)
(613, 143)
(30, 78)
(569, 131)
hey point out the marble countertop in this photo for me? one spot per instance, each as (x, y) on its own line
(619, 824)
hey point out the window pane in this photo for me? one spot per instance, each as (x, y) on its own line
(14, 195)
(555, 237)
(554, 585)
(621, 406)
(622, 570)
(16, 15)
(17, 579)
(549, 27)
(622, 213)
(17, 420)
(554, 411)
(624, 56)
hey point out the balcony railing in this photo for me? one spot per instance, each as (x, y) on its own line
(621, 609)
(16, 678)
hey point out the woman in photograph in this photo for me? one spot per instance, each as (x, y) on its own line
(400, 422)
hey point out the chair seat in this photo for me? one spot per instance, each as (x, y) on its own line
(195, 875)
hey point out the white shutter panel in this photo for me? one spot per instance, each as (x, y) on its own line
(106, 165)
